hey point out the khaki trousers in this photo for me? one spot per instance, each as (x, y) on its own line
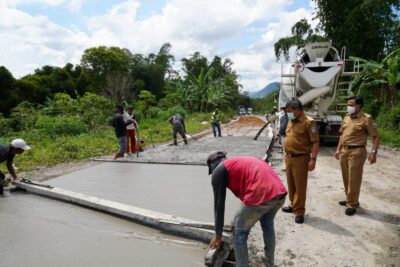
(352, 164)
(297, 174)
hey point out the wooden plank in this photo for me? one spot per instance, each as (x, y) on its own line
(166, 222)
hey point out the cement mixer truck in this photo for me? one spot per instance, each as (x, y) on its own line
(321, 78)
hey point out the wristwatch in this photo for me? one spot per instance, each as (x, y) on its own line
(375, 151)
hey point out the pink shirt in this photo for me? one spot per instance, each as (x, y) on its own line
(252, 180)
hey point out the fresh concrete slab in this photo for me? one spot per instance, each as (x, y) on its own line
(183, 191)
(38, 232)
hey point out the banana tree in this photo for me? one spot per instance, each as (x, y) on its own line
(199, 87)
(219, 94)
(384, 76)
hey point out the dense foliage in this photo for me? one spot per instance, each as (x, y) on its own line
(121, 76)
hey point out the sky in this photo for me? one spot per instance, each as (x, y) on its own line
(34, 33)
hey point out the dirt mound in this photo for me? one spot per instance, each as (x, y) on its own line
(251, 120)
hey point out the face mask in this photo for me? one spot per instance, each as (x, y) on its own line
(351, 109)
(291, 116)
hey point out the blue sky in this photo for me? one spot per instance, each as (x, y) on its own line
(34, 33)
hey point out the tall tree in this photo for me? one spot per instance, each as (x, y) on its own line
(195, 64)
(103, 61)
(153, 70)
(302, 33)
(7, 97)
(368, 29)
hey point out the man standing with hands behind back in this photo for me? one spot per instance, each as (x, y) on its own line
(301, 148)
(351, 151)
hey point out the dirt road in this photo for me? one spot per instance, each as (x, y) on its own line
(328, 237)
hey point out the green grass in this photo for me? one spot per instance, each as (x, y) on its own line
(389, 137)
(48, 151)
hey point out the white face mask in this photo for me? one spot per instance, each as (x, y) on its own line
(351, 109)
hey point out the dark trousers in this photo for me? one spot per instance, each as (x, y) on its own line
(178, 129)
(215, 126)
(2, 177)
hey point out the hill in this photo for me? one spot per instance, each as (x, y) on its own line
(265, 91)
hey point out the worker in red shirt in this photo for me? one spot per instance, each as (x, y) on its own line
(262, 194)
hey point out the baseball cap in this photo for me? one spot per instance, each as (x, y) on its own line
(19, 143)
(214, 156)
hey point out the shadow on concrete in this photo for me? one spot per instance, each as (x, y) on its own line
(328, 226)
(378, 216)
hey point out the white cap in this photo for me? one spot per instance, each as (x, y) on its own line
(19, 143)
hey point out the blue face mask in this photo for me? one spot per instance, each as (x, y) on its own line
(291, 116)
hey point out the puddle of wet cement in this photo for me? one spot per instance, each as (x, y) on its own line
(37, 231)
(183, 191)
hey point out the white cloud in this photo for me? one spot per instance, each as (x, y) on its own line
(258, 65)
(189, 26)
(14, 3)
(75, 5)
(27, 41)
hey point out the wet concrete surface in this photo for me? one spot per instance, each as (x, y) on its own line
(183, 191)
(36, 231)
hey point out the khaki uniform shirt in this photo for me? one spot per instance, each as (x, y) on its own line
(355, 130)
(300, 134)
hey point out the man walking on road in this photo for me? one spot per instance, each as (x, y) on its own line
(215, 122)
(131, 129)
(7, 153)
(301, 148)
(178, 126)
(351, 151)
(262, 194)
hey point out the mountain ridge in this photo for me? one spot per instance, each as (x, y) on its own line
(265, 91)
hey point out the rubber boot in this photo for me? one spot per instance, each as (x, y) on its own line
(185, 140)
(175, 142)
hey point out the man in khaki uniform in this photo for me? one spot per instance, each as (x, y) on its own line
(301, 148)
(351, 151)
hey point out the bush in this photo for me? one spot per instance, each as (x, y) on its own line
(25, 115)
(166, 114)
(390, 119)
(61, 125)
(95, 109)
(153, 112)
(7, 125)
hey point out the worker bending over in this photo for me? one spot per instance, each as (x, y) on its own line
(178, 126)
(7, 153)
(262, 194)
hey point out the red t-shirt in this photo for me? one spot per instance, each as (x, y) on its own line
(252, 180)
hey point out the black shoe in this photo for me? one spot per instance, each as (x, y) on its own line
(287, 209)
(350, 211)
(343, 203)
(299, 219)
